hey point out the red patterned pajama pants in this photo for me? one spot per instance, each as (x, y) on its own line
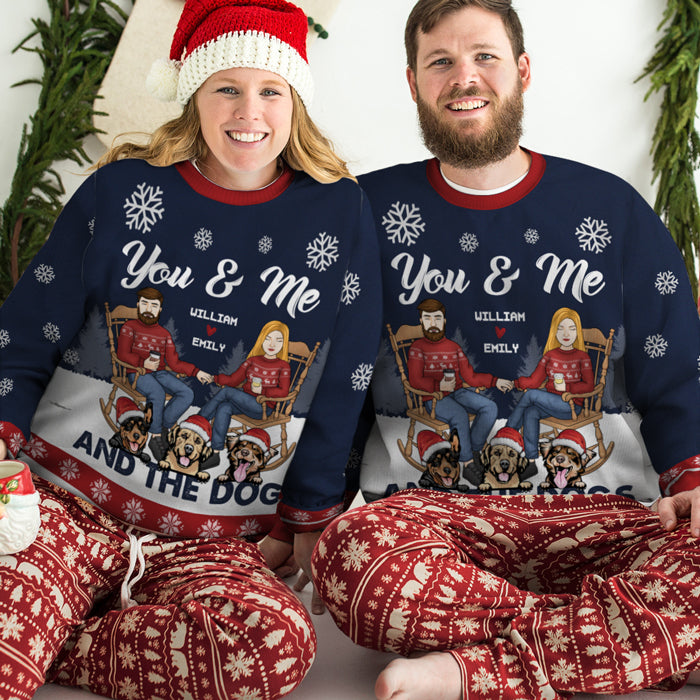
(534, 596)
(207, 620)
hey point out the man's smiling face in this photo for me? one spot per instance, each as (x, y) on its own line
(468, 87)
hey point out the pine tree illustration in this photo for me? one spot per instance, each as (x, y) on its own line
(92, 347)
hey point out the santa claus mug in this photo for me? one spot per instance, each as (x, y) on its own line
(19, 507)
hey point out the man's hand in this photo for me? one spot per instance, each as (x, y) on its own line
(681, 505)
(304, 543)
(504, 385)
(205, 377)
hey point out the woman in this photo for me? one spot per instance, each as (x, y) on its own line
(236, 209)
(565, 368)
(265, 373)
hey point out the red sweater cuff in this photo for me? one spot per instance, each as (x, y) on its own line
(297, 520)
(280, 531)
(685, 476)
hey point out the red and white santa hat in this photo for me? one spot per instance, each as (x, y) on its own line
(126, 408)
(258, 437)
(200, 425)
(570, 438)
(429, 442)
(214, 35)
(510, 437)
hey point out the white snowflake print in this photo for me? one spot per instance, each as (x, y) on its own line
(531, 236)
(91, 226)
(69, 469)
(249, 527)
(688, 636)
(100, 491)
(134, 510)
(71, 357)
(203, 239)
(355, 555)
(4, 338)
(557, 641)
(322, 252)
(593, 235)
(483, 682)
(468, 242)
(361, 377)
(144, 208)
(563, 672)
(248, 693)
(212, 528)
(265, 245)
(6, 386)
(336, 589)
(51, 332)
(44, 273)
(239, 664)
(654, 590)
(171, 524)
(655, 345)
(351, 288)
(403, 223)
(666, 282)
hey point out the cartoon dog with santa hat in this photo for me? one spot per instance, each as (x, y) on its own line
(248, 456)
(19, 507)
(133, 425)
(565, 458)
(189, 448)
(504, 462)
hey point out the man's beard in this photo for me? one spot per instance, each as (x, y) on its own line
(434, 334)
(455, 145)
(148, 318)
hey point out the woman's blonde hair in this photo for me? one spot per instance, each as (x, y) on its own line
(559, 316)
(181, 139)
(268, 328)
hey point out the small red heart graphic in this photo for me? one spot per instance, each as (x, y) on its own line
(211, 329)
(500, 332)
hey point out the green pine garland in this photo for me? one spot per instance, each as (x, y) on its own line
(76, 47)
(674, 69)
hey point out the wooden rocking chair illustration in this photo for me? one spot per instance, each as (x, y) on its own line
(416, 411)
(300, 359)
(115, 319)
(598, 348)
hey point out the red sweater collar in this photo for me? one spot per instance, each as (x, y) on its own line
(487, 201)
(205, 187)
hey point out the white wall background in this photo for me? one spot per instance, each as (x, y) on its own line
(583, 103)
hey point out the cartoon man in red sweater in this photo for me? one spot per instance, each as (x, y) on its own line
(437, 364)
(145, 344)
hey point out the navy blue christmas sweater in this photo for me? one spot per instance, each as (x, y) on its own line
(532, 286)
(272, 293)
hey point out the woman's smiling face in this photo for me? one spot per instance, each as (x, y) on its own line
(246, 118)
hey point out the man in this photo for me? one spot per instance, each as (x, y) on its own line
(438, 365)
(537, 595)
(145, 344)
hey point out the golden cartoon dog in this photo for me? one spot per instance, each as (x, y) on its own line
(504, 461)
(189, 448)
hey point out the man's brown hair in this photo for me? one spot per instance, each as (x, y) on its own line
(150, 293)
(430, 306)
(427, 13)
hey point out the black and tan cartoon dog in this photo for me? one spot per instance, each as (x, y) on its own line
(504, 462)
(248, 455)
(189, 448)
(565, 458)
(440, 459)
(133, 425)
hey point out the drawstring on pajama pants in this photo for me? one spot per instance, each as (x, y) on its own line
(135, 554)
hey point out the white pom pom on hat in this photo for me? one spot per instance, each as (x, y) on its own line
(215, 35)
(162, 79)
